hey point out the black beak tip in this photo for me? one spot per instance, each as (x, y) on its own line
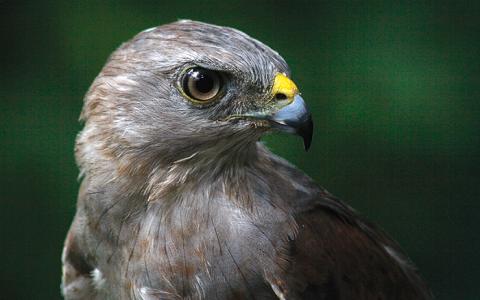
(306, 132)
(295, 118)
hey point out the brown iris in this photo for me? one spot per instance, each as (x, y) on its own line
(201, 84)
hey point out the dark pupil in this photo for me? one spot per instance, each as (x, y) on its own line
(203, 82)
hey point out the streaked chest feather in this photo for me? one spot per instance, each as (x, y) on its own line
(202, 246)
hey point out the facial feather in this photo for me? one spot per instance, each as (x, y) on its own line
(135, 115)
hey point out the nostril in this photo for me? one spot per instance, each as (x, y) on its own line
(280, 96)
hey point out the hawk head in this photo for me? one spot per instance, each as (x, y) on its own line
(186, 88)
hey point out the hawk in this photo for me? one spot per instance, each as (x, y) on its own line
(180, 200)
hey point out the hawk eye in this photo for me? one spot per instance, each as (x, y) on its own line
(201, 84)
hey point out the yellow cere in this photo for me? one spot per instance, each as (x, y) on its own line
(284, 85)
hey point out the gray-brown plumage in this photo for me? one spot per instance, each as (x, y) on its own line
(179, 200)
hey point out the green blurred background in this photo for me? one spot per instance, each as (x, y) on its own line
(394, 89)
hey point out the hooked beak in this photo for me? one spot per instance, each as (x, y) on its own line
(286, 111)
(294, 118)
(290, 113)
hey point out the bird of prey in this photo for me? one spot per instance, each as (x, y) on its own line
(180, 200)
